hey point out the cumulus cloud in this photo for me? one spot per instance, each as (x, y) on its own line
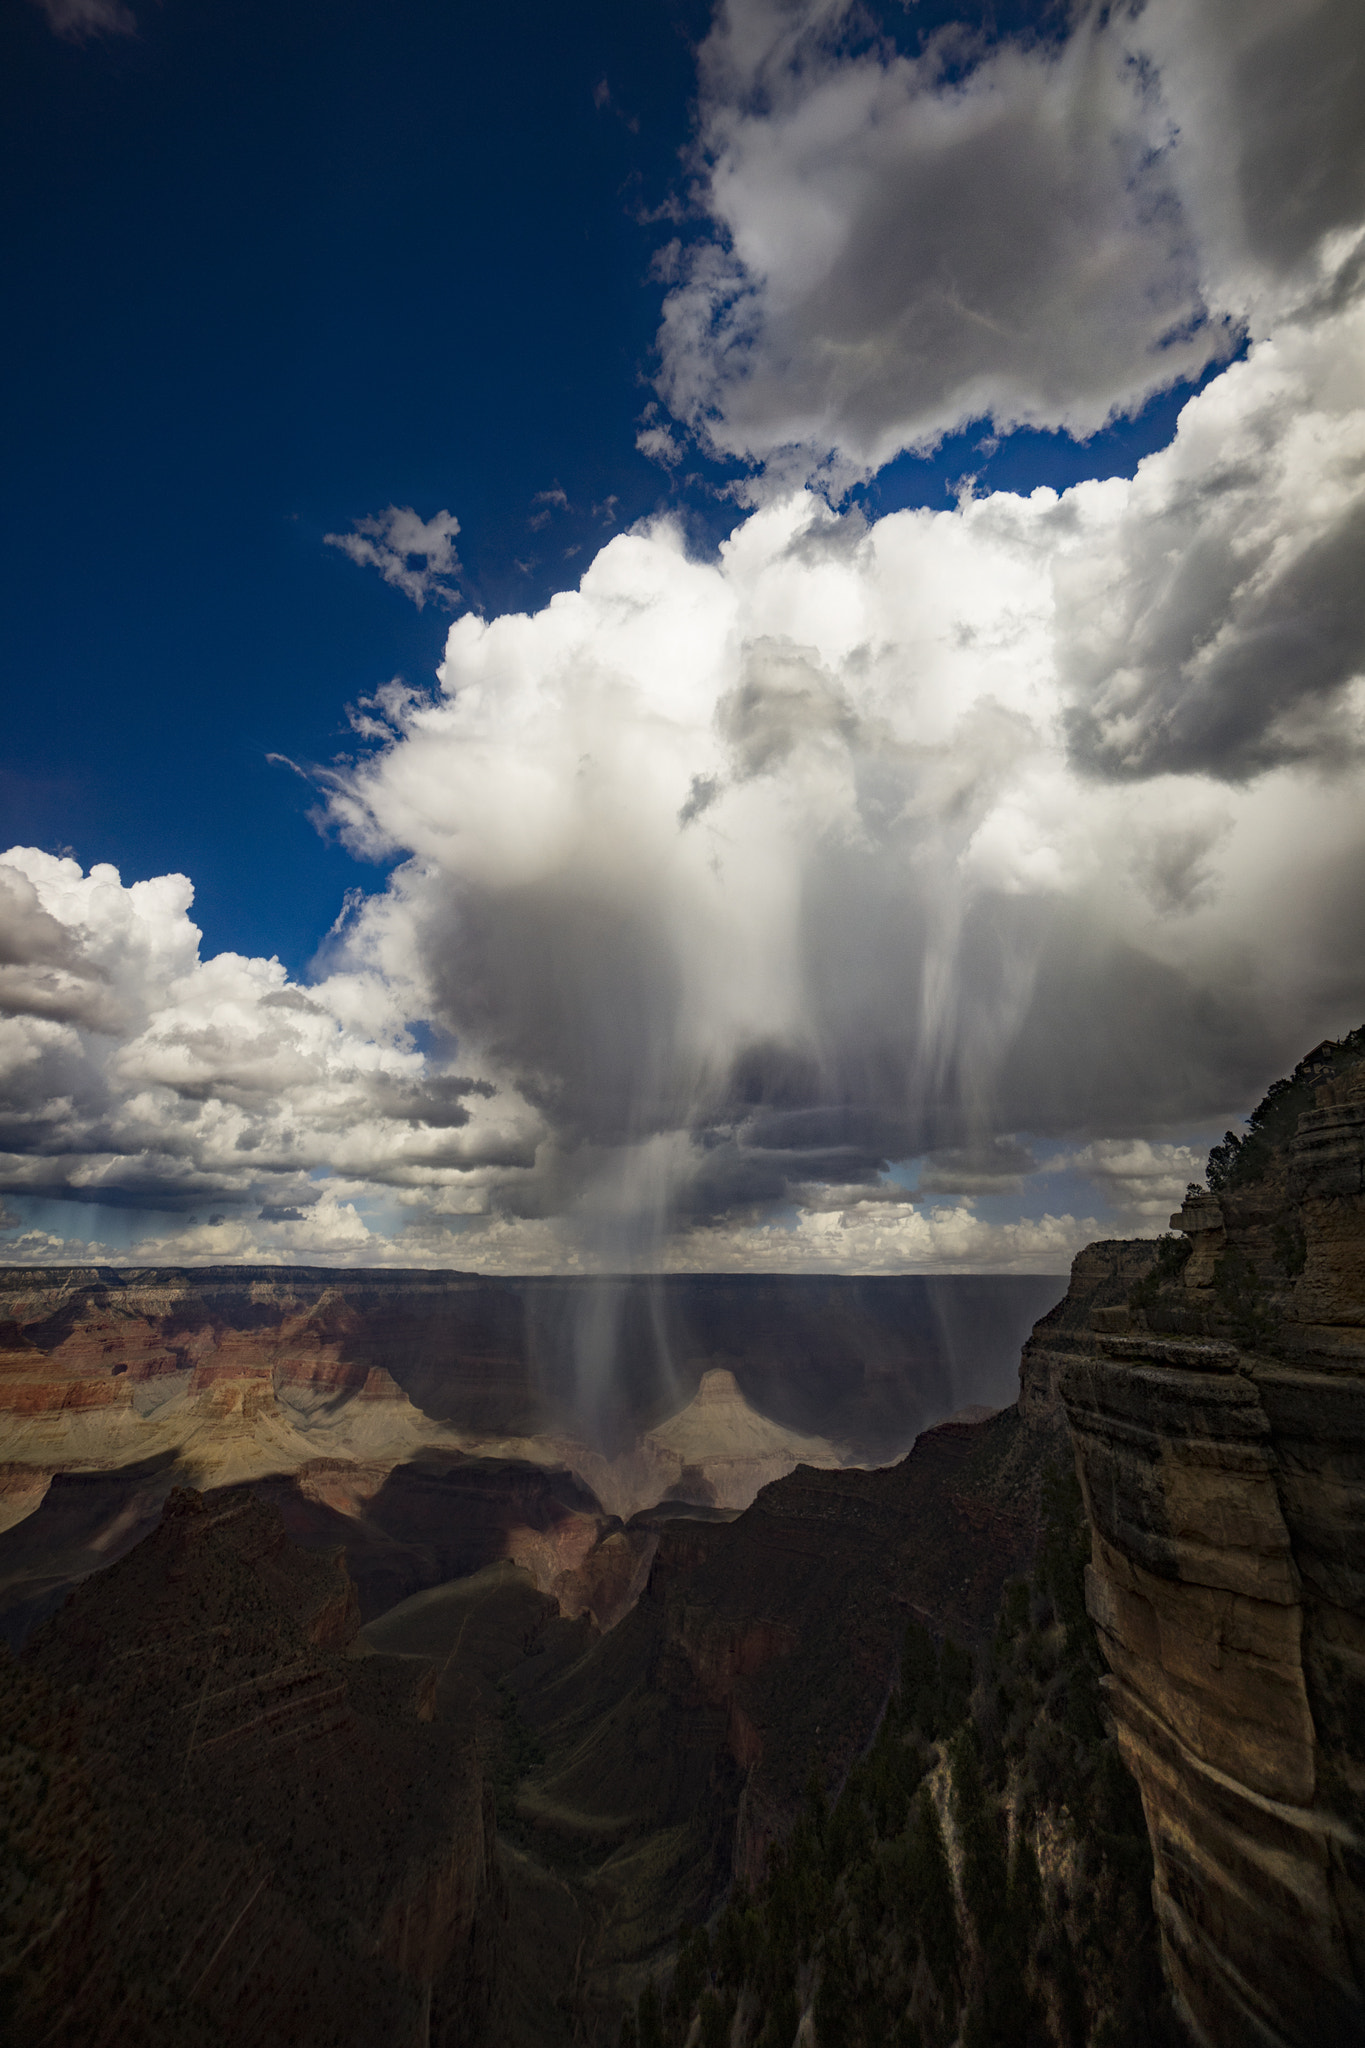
(417, 556)
(869, 842)
(136, 1075)
(1142, 1182)
(1040, 230)
(973, 838)
(823, 903)
(1224, 629)
(859, 1240)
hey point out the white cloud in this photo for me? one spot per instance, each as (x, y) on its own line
(660, 446)
(727, 882)
(417, 556)
(734, 880)
(1143, 1182)
(132, 1072)
(866, 841)
(1040, 232)
(865, 1240)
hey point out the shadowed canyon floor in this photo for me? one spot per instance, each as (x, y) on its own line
(636, 1771)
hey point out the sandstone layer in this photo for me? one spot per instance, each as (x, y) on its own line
(1218, 1417)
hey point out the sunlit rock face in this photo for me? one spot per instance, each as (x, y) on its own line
(1218, 1414)
(715, 1452)
(733, 1449)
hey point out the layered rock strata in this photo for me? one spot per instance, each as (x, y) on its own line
(241, 1370)
(1218, 1418)
(353, 1395)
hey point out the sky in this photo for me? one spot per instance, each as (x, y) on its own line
(656, 637)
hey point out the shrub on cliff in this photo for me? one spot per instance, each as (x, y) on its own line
(1240, 1160)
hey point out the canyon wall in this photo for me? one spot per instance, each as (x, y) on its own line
(1215, 1389)
(866, 1362)
(216, 1786)
(524, 1417)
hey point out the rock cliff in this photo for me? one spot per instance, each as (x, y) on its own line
(1215, 1389)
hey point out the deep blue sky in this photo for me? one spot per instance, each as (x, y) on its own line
(269, 270)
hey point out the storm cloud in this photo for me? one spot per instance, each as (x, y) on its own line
(1043, 231)
(807, 904)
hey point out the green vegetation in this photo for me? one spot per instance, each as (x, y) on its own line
(1240, 1293)
(1291, 1247)
(983, 1875)
(1240, 1161)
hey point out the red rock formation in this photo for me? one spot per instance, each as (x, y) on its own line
(223, 1376)
(863, 1362)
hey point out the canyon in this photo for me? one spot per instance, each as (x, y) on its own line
(583, 1401)
(675, 1670)
(629, 1656)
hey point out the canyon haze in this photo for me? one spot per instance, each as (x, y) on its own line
(431, 1423)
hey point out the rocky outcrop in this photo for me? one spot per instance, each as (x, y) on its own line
(1102, 1277)
(717, 1451)
(1218, 1417)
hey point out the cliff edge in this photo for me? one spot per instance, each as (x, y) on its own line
(1217, 1412)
